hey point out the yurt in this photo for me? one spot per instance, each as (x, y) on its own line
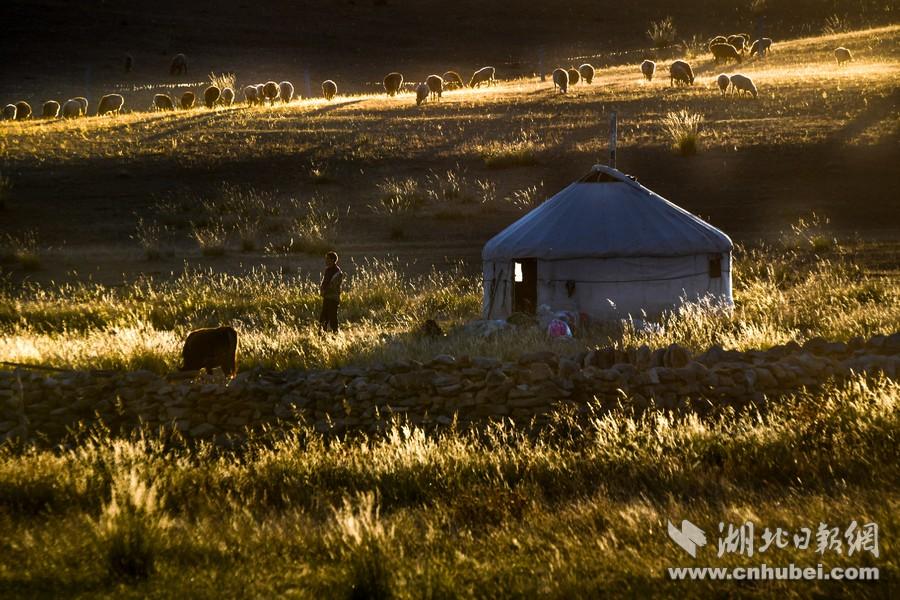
(607, 247)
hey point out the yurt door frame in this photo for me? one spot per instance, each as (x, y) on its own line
(524, 294)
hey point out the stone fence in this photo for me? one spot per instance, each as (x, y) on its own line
(35, 406)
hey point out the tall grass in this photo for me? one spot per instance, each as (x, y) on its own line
(795, 290)
(683, 129)
(662, 33)
(576, 509)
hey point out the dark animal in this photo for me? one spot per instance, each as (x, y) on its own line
(436, 85)
(211, 96)
(210, 348)
(725, 52)
(587, 73)
(574, 76)
(329, 89)
(178, 65)
(110, 104)
(431, 329)
(23, 110)
(392, 83)
(681, 72)
(187, 100)
(163, 102)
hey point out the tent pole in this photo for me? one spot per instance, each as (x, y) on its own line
(612, 139)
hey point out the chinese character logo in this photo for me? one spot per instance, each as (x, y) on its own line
(688, 537)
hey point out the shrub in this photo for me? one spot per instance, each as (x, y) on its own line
(399, 196)
(521, 150)
(149, 236)
(211, 237)
(527, 198)
(662, 33)
(21, 249)
(223, 80)
(836, 24)
(315, 231)
(683, 128)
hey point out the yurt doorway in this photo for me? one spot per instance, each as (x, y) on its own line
(525, 285)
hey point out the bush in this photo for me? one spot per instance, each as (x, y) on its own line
(211, 237)
(662, 33)
(519, 151)
(683, 128)
(223, 80)
(149, 236)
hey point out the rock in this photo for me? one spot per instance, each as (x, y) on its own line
(539, 371)
(676, 356)
(442, 360)
(496, 377)
(546, 357)
(568, 367)
(815, 345)
(481, 362)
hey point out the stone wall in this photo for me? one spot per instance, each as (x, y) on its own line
(42, 407)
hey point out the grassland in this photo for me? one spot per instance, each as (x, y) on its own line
(119, 235)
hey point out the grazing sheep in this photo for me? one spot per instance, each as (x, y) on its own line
(681, 72)
(719, 39)
(737, 41)
(163, 102)
(286, 91)
(574, 77)
(561, 80)
(329, 89)
(84, 104)
(251, 95)
(187, 100)
(762, 46)
(23, 110)
(72, 109)
(211, 96)
(392, 83)
(648, 68)
(453, 80)
(211, 348)
(842, 55)
(9, 112)
(725, 52)
(110, 104)
(421, 93)
(270, 92)
(227, 96)
(723, 82)
(742, 83)
(178, 66)
(260, 93)
(50, 110)
(435, 85)
(482, 75)
(587, 72)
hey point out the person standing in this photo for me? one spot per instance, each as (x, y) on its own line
(330, 289)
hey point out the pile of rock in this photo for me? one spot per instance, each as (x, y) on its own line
(464, 389)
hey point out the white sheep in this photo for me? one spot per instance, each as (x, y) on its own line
(50, 110)
(742, 83)
(286, 91)
(72, 109)
(723, 81)
(329, 89)
(648, 68)
(482, 75)
(842, 55)
(421, 93)
(762, 46)
(561, 80)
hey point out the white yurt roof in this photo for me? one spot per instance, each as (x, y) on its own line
(603, 215)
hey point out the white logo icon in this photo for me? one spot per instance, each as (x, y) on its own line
(688, 537)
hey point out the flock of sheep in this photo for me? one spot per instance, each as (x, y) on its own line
(723, 48)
